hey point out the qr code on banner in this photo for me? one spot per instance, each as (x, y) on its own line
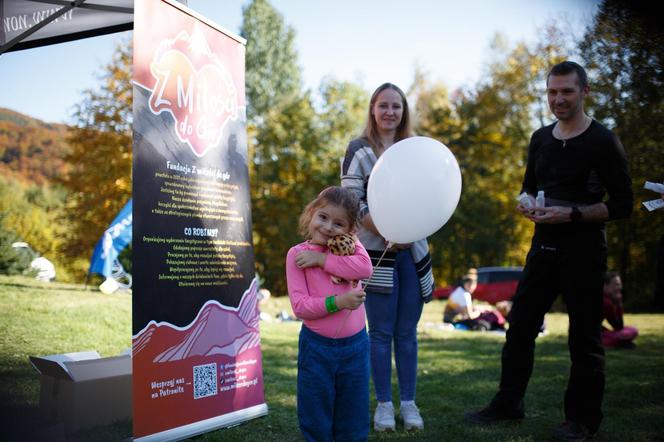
(205, 380)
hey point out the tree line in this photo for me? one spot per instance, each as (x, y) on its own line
(297, 138)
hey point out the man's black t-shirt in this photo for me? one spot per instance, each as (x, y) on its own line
(578, 171)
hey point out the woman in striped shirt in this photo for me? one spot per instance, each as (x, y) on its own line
(402, 282)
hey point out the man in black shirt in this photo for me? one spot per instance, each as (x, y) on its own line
(575, 161)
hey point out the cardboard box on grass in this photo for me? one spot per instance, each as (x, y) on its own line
(82, 390)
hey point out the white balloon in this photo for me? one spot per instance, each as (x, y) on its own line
(413, 189)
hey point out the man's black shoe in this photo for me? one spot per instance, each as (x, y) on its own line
(570, 431)
(492, 415)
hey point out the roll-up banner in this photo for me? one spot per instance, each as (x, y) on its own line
(196, 351)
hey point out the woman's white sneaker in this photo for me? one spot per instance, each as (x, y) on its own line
(411, 416)
(384, 417)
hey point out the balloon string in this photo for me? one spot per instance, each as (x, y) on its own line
(343, 323)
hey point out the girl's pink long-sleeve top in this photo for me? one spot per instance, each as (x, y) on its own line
(308, 288)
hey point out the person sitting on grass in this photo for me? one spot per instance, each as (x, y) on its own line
(504, 307)
(620, 336)
(460, 312)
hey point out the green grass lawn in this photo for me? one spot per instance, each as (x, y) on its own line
(458, 371)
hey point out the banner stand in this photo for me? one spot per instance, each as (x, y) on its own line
(214, 423)
(196, 358)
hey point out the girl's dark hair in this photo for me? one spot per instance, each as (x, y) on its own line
(371, 129)
(339, 196)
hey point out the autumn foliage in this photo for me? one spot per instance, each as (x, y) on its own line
(62, 186)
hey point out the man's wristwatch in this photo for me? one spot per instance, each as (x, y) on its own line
(575, 215)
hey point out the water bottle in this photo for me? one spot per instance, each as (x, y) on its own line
(540, 201)
(526, 201)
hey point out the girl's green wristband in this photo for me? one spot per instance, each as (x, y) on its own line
(330, 305)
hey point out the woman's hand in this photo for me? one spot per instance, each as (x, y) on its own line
(368, 224)
(350, 300)
(309, 258)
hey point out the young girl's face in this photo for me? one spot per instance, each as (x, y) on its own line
(328, 221)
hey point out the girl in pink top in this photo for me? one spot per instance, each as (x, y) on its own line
(333, 357)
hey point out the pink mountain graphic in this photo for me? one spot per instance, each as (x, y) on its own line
(217, 330)
(219, 336)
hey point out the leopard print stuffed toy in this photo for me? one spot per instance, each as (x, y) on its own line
(342, 245)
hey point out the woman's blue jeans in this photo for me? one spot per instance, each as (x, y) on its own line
(393, 317)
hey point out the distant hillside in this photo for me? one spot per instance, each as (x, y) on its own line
(31, 150)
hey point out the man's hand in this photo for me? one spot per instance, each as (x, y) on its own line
(595, 213)
(309, 258)
(527, 212)
(551, 215)
(350, 300)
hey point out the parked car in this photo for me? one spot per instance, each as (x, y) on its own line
(45, 270)
(494, 284)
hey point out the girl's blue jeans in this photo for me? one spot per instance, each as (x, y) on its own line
(333, 387)
(393, 317)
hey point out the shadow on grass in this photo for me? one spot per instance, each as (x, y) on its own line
(19, 385)
(23, 421)
(457, 373)
(469, 376)
(19, 390)
(279, 380)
